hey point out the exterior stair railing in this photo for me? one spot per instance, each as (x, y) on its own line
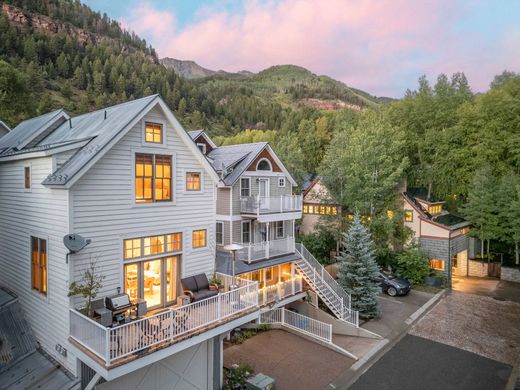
(327, 288)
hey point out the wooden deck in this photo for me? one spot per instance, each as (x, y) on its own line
(165, 344)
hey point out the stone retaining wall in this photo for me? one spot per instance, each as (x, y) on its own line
(478, 268)
(510, 274)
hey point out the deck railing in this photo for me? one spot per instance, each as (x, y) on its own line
(280, 290)
(299, 322)
(271, 204)
(113, 343)
(266, 249)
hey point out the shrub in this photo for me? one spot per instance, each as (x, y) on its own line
(412, 264)
(263, 327)
(320, 244)
(235, 377)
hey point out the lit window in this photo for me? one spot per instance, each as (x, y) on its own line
(435, 209)
(173, 242)
(39, 265)
(146, 246)
(334, 210)
(245, 186)
(279, 229)
(305, 209)
(311, 209)
(132, 248)
(389, 214)
(263, 165)
(27, 178)
(437, 264)
(327, 210)
(322, 210)
(219, 236)
(281, 182)
(246, 232)
(350, 216)
(153, 245)
(408, 215)
(152, 178)
(153, 133)
(199, 238)
(193, 181)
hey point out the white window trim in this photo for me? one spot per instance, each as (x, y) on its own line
(29, 165)
(216, 230)
(281, 182)
(164, 142)
(242, 231)
(269, 162)
(249, 181)
(173, 184)
(193, 248)
(42, 297)
(185, 181)
(283, 229)
(203, 147)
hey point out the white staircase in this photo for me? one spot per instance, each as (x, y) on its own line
(327, 288)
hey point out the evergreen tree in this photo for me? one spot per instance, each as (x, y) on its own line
(358, 269)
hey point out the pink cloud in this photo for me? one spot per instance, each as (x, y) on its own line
(370, 44)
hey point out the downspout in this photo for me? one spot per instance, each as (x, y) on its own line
(449, 260)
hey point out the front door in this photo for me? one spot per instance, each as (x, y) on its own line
(263, 191)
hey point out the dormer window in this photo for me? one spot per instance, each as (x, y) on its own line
(153, 133)
(435, 209)
(263, 165)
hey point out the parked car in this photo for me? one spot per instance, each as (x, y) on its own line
(393, 285)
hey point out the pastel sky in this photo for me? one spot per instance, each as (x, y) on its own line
(381, 46)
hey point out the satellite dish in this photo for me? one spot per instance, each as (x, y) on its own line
(74, 242)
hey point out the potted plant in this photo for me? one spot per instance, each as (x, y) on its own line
(88, 287)
(216, 281)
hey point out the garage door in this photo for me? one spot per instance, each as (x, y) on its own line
(189, 369)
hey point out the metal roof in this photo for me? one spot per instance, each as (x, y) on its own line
(30, 128)
(235, 157)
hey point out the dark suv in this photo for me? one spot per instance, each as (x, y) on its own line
(392, 285)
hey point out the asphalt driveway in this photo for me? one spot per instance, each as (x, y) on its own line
(417, 363)
(491, 287)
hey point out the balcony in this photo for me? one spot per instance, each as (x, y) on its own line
(265, 249)
(261, 206)
(112, 346)
(279, 291)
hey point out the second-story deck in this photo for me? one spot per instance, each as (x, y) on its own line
(262, 206)
(111, 347)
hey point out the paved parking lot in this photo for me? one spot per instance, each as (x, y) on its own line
(294, 362)
(417, 363)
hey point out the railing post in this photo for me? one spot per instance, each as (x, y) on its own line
(283, 315)
(171, 324)
(107, 346)
(219, 306)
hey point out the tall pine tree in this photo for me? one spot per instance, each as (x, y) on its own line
(358, 269)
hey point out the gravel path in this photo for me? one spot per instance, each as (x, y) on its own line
(478, 324)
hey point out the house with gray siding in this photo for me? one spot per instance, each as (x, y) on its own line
(443, 236)
(257, 209)
(131, 183)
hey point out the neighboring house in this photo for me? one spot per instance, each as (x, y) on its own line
(256, 208)
(317, 201)
(130, 179)
(443, 236)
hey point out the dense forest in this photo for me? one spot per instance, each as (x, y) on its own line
(464, 147)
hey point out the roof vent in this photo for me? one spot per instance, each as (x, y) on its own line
(105, 114)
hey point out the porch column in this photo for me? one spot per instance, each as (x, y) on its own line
(293, 235)
(268, 240)
(292, 278)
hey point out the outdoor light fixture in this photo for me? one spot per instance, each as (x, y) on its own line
(233, 248)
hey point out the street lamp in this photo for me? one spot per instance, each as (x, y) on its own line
(233, 248)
